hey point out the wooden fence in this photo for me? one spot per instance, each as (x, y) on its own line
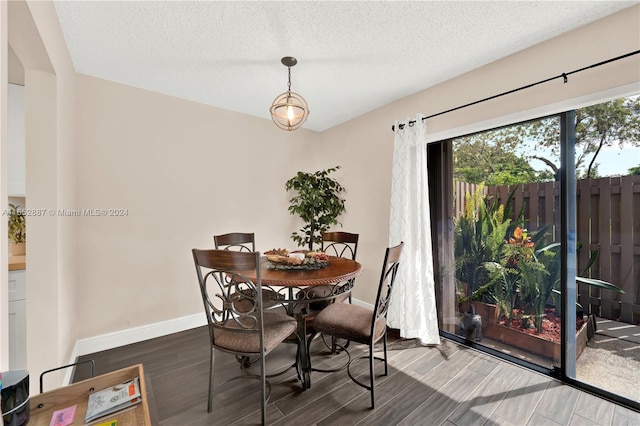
(608, 220)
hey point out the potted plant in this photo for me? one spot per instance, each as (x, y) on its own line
(17, 230)
(318, 203)
(512, 277)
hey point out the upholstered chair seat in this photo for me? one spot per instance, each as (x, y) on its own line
(277, 327)
(350, 322)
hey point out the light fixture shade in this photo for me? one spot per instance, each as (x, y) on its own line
(289, 111)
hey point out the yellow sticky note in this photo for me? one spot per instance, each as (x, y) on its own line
(108, 423)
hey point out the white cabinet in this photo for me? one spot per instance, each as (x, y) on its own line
(17, 320)
(16, 146)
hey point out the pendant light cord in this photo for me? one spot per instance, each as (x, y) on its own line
(564, 76)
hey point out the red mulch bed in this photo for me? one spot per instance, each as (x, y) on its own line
(550, 325)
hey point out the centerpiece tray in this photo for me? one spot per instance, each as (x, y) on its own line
(309, 266)
(305, 261)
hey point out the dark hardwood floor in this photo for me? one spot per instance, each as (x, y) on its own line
(444, 385)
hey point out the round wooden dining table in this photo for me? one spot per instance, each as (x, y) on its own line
(297, 289)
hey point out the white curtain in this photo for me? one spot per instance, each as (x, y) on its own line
(413, 303)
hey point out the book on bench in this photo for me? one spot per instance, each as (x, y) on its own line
(113, 399)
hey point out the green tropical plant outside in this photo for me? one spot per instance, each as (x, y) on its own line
(519, 278)
(479, 238)
(318, 203)
(501, 263)
(522, 276)
(17, 225)
(539, 279)
(604, 285)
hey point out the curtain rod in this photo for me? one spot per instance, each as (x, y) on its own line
(564, 76)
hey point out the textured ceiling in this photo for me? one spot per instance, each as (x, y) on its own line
(352, 56)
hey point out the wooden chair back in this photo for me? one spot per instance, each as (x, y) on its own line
(340, 244)
(238, 241)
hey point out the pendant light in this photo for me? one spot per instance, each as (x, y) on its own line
(289, 110)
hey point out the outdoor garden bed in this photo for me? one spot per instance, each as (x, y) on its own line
(546, 343)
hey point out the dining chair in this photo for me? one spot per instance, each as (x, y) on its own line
(238, 241)
(338, 244)
(237, 322)
(246, 242)
(362, 325)
(341, 244)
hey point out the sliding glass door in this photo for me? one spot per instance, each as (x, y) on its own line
(506, 264)
(608, 251)
(536, 236)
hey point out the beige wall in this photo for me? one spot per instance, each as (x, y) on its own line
(185, 171)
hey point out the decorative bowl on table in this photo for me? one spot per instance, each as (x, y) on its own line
(282, 259)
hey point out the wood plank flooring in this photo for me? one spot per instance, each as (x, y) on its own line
(447, 385)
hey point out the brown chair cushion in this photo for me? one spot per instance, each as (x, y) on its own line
(277, 327)
(348, 322)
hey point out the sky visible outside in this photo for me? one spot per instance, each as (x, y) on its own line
(616, 161)
(613, 161)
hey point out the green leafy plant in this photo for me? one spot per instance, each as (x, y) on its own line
(593, 282)
(500, 262)
(528, 278)
(318, 203)
(539, 278)
(17, 225)
(479, 238)
(515, 276)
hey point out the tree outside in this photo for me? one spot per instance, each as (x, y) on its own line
(491, 157)
(497, 157)
(635, 170)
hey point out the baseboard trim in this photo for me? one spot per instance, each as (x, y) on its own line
(361, 303)
(116, 339)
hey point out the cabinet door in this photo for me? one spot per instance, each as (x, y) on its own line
(18, 335)
(17, 285)
(17, 320)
